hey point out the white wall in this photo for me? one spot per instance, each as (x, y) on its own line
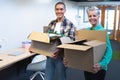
(75, 13)
(18, 18)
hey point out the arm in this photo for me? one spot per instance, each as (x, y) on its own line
(108, 53)
(106, 58)
(72, 31)
(51, 26)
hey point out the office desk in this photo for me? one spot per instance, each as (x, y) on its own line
(8, 60)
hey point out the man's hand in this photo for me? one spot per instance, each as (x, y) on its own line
(55, 54)
(30, 50)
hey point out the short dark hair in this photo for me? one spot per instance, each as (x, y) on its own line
(60, 3)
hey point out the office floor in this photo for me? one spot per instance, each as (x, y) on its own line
(11, 74)
(72, 74)
(115, 45)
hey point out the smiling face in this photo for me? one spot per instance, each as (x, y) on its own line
(60, 11)
(93, 17)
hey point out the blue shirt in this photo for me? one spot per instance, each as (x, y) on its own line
(108, 52)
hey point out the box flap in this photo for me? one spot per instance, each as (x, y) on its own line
(78, 42)
(74, 47)
(43, 48)
(65, 40)
(94, 43)
(39, 36)
(91, 35)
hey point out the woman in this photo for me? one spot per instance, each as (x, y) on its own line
(100, 67)
(61, 25)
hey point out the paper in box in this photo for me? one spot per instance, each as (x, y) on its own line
(83, 54)
(41, 43)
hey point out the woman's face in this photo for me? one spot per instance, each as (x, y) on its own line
(93, 18)
(60, 10)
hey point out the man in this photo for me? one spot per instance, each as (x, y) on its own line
(63, 27)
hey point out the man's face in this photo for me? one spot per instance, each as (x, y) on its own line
(60, 10)
(93, 17)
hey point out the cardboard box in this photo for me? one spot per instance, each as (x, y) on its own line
(41, 43)
(91, 35)
(83, 54)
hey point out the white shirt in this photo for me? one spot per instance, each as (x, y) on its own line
(57, 27)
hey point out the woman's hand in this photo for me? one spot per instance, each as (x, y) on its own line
(96, 67)
(65, 61)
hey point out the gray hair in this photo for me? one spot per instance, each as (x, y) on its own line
(93, 8)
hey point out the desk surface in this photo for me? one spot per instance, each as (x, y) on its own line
(7, 59)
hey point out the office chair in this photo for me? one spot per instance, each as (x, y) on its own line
(45, 29)
(38, 64)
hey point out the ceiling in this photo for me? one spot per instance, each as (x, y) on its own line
(92, 0)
